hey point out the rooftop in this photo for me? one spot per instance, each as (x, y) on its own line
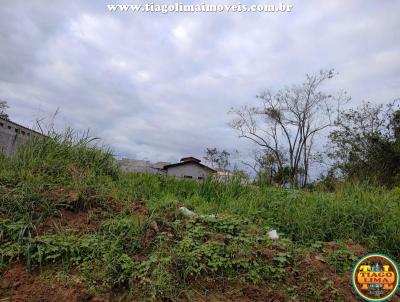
(189, 160)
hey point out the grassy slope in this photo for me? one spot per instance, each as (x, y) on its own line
(64, 208)
(367, 215)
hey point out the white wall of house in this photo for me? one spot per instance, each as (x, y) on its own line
(12, 135)
(141, 166)
(189, 170)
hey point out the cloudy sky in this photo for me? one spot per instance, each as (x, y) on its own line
(159, 87)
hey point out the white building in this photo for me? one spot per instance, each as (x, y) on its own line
(189, 167)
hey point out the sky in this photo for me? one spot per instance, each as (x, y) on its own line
(159, 86)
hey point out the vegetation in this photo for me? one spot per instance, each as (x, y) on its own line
(285, 124)
(366, 144)
(217, 159)
(66, 212)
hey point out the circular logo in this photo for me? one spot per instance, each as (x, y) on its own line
(375, 277)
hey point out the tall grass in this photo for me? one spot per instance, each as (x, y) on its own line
(61, 158)
(368, 215)
(29, 180)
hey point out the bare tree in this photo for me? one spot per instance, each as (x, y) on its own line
(286, 122)
(3, 107)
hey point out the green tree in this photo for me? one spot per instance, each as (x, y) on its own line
(365, 143)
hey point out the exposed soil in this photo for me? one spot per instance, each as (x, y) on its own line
(313, 277)
(357, 249)
(83, 221)
(138, 208)
(19, 285)
(86, 219)
(314, 272)
(66, 197)
(231, 292)
(134, 207)
(150, 235)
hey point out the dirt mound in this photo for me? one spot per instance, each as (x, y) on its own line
(314, 272)
(307, 276)
(19, 285)
(86, 221)
(357, 249)
(207, 290)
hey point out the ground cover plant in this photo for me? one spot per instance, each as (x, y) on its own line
(73, 227)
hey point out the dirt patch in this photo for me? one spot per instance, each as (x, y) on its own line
(150, 235)
(138, 208)
(207, 290)
(357, 249)
(80, 200)
(19, 285)
(313, 275)
(65, 197)
(267, 253)
(254, 293)
(332, 245)
(311, 279)
(83, 221)
(218, 237)
(86, 219)
(132, 207)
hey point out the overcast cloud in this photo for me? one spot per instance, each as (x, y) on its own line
(159, 87)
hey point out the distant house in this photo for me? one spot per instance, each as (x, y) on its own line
(189, 167)
(13, 135)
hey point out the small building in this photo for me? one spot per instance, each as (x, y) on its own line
(13, 135)
(189, 167)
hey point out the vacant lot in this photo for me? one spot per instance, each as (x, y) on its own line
(73, 227)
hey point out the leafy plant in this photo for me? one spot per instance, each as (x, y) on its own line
(342, 259)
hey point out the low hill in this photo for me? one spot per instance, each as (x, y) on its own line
(73, 227)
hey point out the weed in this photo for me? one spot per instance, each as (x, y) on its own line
(342, 259)
(156, 256)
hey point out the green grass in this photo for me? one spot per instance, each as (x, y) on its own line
(368, 215)
(68, 172)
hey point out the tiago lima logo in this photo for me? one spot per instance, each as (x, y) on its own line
(375, 277)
